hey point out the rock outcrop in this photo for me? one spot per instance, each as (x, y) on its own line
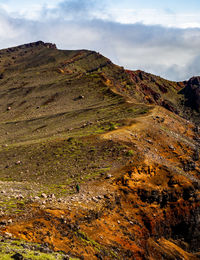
(192, 93)
(29, 45)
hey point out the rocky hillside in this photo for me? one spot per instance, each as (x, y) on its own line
(182, 98)
(97, 162)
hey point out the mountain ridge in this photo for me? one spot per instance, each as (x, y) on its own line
(30, 45)
(131, 141)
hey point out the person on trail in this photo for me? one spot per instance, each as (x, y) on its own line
(77, 188)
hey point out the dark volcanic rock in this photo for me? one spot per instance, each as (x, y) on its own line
(17, 256)
(192, 93)
(30, 45)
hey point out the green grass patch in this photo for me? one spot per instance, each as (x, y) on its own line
(28, 250)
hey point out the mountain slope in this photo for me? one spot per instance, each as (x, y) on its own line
(128, 138)
(179, 97)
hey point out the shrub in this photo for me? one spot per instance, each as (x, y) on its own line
(130, 153)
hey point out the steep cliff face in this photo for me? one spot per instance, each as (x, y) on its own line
(155, 90)
(129, 139)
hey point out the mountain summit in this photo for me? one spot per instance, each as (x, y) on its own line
(30, 45)
(97, 162)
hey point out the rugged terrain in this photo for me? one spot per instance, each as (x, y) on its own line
(129, 139)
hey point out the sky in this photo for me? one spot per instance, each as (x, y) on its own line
(160, 37)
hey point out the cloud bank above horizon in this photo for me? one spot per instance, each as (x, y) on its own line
(163, 40)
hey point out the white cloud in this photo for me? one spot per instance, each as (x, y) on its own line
(154, 17)
(169, 52)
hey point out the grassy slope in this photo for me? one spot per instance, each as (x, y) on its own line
(42, 87)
